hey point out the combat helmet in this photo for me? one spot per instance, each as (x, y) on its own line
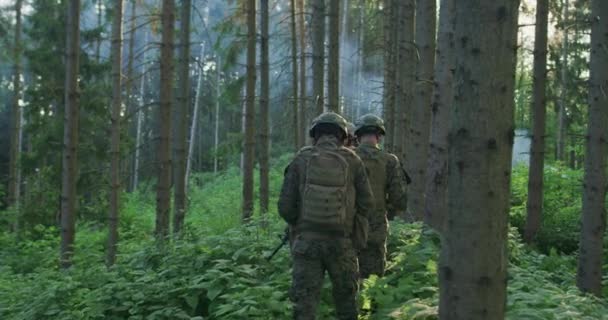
(329, 118)
(370, 120)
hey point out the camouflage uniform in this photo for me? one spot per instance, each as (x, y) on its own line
(315, 251)
(387, 180)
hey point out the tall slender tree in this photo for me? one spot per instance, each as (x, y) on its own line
(563, 96)
(195, 119)
(534, 205)
(130, 86)
(140, 117)
(163, 187)
(418, 144)
(294, 72)
(14, 181)
(70, 135)
(116, 58)
(389, 14)
(473, 261)
(264, 135)
(303, 93)
(333, 65)
(318, 54)
(183, 106)
(249, 114)
(441, 108)
(589, 274)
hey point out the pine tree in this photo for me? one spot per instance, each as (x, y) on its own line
(249, 114)
(264, 135)
(333, 64)
(318, 54)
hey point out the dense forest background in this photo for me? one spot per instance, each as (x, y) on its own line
(143, 142)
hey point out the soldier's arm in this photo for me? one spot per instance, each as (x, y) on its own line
(364, 200)
(396, 185)
(288, 200)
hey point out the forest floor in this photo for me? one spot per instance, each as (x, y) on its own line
(218, 270)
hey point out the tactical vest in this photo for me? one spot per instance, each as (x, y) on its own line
(375, 164)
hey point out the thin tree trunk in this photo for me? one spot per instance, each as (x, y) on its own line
(473, 261)
(264, 100)
(163, 188)
(418, 144)
(130, 86)
(216, 138)
(14, 181)
(249, 115)
(193, 126)
(116, 49)
(140, 118)
(537, 150)
(183, 105)
(441, 107)
(99, 22)
(360, 61)
(589, 274)
(333, 68)
(318, 54)
(389, 71)
(303, 105)
(561, 116)
(70, 135)
(294, 77)
(344, 30)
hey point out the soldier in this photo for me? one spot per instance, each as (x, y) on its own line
(388, 182)
(326, 199)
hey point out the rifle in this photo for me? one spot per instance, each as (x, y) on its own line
(284, 240)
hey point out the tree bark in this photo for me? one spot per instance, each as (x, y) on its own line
(183, 105)
(264, 100)
(163, 188)
(294, 75)
(390, 66)
(249, 114)
(537, 150)
(70, 135)
(473, 261)
(116, 58)
(14, 181)
(589, 274)
(318, 54)
(418, 144)
(561, 115)
(333, 67)
(441, 108)
(303, 94)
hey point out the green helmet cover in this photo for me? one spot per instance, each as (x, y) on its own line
(370, 120)
(330, 118)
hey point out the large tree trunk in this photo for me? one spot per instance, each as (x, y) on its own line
(163, 188)
(318, 54)
(195, 119)
(116, 58)
(537, 149)
(69, 174)
(333, 67)
(249, 115)
(589, 275)
(418, 145)
(140, 118)
(183, 106)
(14, 180)
(303, 105)
(441, 107)
(473, 262)
(129, 86)
(406, 69)
(563, 99)
(294, 75)
(390, 13)
(264, 135)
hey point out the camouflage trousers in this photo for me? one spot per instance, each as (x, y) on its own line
(372, 259)
(311, 259)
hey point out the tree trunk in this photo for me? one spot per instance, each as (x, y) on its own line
(294, 75)
(264, 100)
(140, 119)
(249, 115)
(195, 119)
(14, 181)
(441, 107)
(116, 58)
(537, 150)
(389, 91)
(333, 72)
(99, 37)
(303, 105)
(589, 274)
(216, 138)
(183, 106)
(130, 87)
(70, 135)
(473, 262)
(318, 54)
(163, 188)
(418, 145)
(406, 56)
(563, 99)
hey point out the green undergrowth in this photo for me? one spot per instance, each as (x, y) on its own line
(218, 269)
